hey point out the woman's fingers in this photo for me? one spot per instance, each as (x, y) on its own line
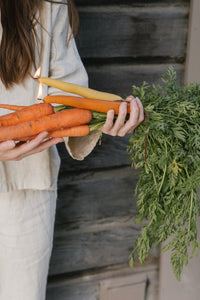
(121, 127)
(135, 118)
(29, 146)
(120, 121)
(8, 145)
(112, 128)
(11, 151)
(141, 116)
(41, 147)
(109, 122)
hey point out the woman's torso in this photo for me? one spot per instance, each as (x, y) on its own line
(38, 171)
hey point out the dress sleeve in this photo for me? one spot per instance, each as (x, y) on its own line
(66, 65)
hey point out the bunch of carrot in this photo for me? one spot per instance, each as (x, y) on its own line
(27, 122)
(60, 121)
(76, 116)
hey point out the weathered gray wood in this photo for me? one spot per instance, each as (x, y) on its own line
(102, 243)
(91, 196)
(87, 291)
(132, 2)
(87, 285)
(111, 153)
(122, 43)
(119, 79)
(115, 31)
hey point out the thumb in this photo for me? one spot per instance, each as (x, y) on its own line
(8, 145)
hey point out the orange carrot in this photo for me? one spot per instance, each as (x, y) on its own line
(91, 104)
(62, 119)
(26, 138)
(12, 107)
(81, 130)
(26, 114)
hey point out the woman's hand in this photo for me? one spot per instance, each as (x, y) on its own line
(9, 150)
(121, 127)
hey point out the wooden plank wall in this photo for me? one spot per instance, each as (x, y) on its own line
(121, 42)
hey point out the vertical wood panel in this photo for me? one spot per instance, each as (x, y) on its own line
(192, 72)
(188, 287)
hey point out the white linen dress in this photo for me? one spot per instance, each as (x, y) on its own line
(28, 187)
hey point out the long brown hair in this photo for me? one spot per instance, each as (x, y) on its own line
(17, 47)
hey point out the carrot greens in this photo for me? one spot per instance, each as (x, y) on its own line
(166, 147)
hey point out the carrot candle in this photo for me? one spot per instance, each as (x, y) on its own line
(78, 89)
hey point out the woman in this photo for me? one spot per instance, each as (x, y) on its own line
(33, 33)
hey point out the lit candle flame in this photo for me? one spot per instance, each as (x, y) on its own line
(36, 76)
(37, 73)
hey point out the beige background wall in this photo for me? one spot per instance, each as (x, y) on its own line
(188, 288)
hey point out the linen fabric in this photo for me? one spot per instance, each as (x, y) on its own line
(58, 61)
(26, 235)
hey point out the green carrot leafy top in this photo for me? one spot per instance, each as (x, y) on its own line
(166, 147)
